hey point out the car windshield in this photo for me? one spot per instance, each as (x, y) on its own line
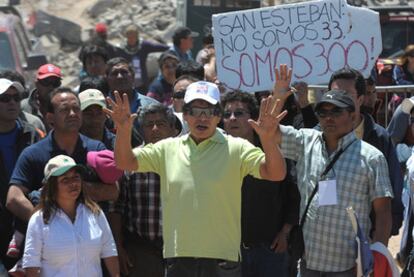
(6, 57)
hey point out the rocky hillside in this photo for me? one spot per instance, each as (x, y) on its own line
(62, 26)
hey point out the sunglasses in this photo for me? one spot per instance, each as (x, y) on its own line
(50, 82)
(8, 97)
(179, 94)
(208, 112)
(236, 113)
(335, 112)
(116, 72)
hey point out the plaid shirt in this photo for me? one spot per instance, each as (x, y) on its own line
(140, 205)
(361, 174)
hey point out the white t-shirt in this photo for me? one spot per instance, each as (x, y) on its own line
(63, 248)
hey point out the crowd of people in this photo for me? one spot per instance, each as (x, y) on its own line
(181, 176)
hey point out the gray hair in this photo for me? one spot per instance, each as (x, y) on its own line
(156, 108)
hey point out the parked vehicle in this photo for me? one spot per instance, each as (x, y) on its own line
(18, 52)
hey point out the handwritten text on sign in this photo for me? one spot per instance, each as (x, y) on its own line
(314, 38)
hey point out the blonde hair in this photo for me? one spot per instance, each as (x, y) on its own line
(131, 28)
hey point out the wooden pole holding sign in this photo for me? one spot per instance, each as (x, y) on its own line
(314, 38)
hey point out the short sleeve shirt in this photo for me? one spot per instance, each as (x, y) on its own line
(29, 168)
(361, 175)
(201, 192)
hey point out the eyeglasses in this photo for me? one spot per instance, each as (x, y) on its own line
(123, 71)
(208, 112)
(6, 98)
(50, 82)
(159, 123)
(179, 94)
(335, 112)
(236, 113)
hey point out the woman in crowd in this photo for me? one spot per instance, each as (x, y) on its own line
(68, 235)
(403, 73)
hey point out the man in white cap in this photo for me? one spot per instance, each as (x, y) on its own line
(201, 175)
(92, 101)
(15, 135)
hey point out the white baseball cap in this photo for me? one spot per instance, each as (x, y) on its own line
(204, 91)
(5, 84)
(91, 97)
(59, 165)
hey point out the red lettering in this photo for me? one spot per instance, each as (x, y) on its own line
(295, 54)
(242, 80)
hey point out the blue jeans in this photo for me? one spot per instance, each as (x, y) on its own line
(261, 261)
(201, 267)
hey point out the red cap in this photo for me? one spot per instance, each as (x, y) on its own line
(103, 163)
(48, 70)
(101, 28)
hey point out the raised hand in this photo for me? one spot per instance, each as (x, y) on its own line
(281, 88)
(120, 113)
(270, 115)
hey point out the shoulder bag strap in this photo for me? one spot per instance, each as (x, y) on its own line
(328, 167)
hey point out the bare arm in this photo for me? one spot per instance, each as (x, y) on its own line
(273, 167)
(280, 242)
(32, 271)
(112, 265)
(383, 219)
(123, 119)
(17, 202)
(102, 192)
(115, 220)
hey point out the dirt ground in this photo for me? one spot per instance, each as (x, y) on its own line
(394, 244)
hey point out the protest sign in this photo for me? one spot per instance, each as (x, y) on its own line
(314, 38)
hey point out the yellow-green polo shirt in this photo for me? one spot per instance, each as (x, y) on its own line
(201, 192)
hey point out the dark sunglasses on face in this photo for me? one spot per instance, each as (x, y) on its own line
(236, 113)
(116, 72)
(335, 112)
(208, 112)
(8, 97)
(50, 82)
(179, 94)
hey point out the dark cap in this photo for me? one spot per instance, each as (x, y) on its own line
(183, 32)
(165, 56)
(339, 98)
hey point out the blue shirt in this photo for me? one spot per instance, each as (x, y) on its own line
(108, 139)
(8, 148)
(30, 165)
(183, 57)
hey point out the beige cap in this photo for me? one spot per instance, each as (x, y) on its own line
(91, 97)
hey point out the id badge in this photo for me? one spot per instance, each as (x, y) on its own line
(327, 193)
